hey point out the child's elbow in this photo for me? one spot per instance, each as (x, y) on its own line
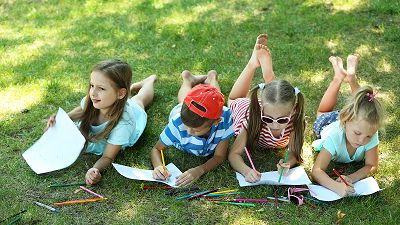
(315, 172)
(374, 169)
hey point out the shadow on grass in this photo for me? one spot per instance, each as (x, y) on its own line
(219, 36)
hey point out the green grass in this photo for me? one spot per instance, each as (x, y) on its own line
(48, 47)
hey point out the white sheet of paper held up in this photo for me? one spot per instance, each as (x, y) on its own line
(366, 186)
(141, 174)
(58, 148)
(295, 176)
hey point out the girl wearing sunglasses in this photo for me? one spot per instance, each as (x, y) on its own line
(272, 117)
(349, 135)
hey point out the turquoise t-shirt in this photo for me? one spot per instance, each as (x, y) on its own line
(333, 139)
(125, 133)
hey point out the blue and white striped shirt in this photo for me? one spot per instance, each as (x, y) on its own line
(176, 134)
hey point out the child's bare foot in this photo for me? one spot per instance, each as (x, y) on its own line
(337, 64)
(261, 41)
(352, 62)
(135, 87)
(187, 76)
(212, 76)
(265, 60)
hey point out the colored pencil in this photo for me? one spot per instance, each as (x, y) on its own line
(279, 199)
(180, 190)
(163, 162)
(202, 193)
(91, 192)
(46, 206)
(250, 200)
(78, 201)
(284, 161)
(224, 194)
(251, 161)
(66, 185)
(15, 215)
(235, 203)
(145, 187)
(340, 176)
(225, 191)
(185, 196)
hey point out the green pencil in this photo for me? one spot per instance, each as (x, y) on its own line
(67, 185)
(284, 161)
(236, 203)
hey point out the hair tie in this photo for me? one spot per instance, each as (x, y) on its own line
(296, 91)
(372, 97)
(261, 86)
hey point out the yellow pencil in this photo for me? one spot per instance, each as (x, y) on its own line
(225, 191)
(78, 201)
(163, 162)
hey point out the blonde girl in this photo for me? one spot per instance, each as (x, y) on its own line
(349, 135)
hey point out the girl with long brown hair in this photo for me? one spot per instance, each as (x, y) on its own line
(108, 119)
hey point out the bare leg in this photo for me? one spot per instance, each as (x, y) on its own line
(212, 79)
(329, 99)
(352, 62)
(145, 94)
(189, 81)
(265, 59)
(242, 84)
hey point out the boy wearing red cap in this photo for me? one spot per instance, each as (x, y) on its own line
(200, 124)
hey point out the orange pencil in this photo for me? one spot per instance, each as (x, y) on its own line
(78, 201)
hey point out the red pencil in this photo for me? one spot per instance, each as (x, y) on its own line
(340, 176)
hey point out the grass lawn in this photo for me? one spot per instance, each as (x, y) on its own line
(48, 47)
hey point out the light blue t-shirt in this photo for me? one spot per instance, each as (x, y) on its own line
(125, 133)
(333, 139)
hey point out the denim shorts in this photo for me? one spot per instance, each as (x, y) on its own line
(324, 120)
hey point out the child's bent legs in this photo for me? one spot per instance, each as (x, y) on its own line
(145, 94)
(329, 99)
(259, 57)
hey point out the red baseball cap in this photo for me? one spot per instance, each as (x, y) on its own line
(207, 97)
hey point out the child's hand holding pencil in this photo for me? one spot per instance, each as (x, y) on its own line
(252, 176)
(160, 174)
(284, 165)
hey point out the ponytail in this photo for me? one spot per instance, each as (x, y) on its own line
(254, 120)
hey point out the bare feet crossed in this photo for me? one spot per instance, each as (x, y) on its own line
(187, 76)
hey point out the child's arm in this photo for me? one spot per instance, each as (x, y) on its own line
(236, 160)
(75, 113)
(371, 165)
(93, 175)
(318, 173)
(194, 173)
(158, 172)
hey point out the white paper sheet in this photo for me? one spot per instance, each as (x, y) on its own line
(366, 186)
(58, 148)
(141, 174)
(295, 176)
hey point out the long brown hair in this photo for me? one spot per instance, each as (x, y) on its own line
(120, 74)
(364, 105)
(282, 92)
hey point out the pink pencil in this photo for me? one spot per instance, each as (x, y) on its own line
(251, 161)
(91, 192)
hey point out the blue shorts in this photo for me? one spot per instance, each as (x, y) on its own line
(324, 120)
